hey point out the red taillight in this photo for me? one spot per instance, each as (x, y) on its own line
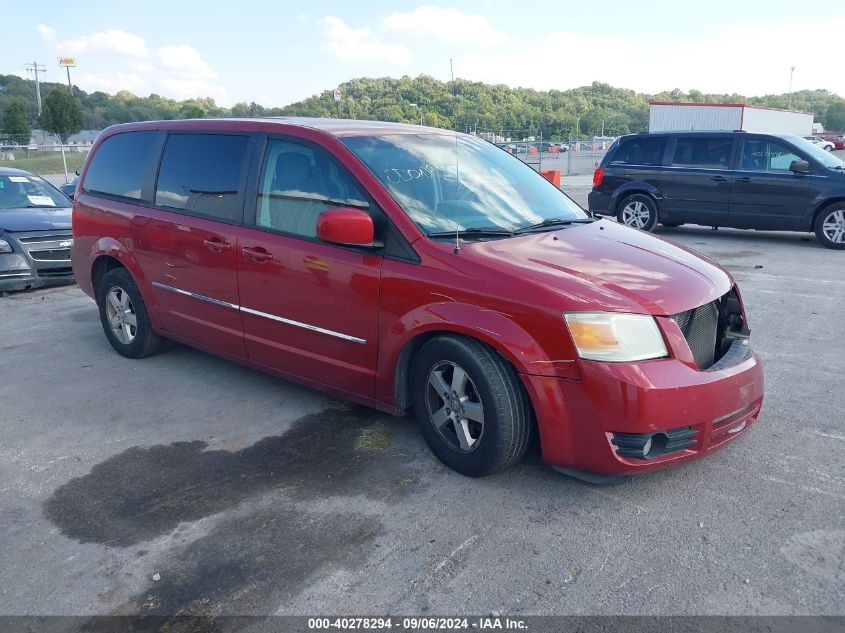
(598, 176)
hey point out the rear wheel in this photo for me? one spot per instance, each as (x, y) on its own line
(638, 211)
(830, 227)
(470, 405)
(124, 316)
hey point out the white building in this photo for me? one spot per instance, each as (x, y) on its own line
(669, 117)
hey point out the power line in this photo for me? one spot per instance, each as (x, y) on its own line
(36, 68)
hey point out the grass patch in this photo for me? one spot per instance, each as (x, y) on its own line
(44, 162)
(375, 437)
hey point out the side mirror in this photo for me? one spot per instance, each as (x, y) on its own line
(799, 167)
(346, 226)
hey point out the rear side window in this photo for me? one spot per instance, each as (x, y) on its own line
(121, 163)
(714, 153)
(640, 151)
(202, 174)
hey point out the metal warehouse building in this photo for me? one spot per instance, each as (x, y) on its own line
(668, 117)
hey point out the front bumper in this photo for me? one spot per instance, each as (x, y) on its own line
(38, 259)
(578, 418)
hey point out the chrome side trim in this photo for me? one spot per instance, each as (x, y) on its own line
(272, 317)
(179, 291)
(305, 326)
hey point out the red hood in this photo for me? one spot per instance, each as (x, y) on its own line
(606, 266)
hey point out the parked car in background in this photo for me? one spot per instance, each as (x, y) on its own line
(492, 306)
(35, 232)
(522, 149)
(69, 188)
(561, 147)
(823, 143)
(736, 179)
(542, 146)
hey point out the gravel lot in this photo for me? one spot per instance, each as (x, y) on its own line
(186, 484)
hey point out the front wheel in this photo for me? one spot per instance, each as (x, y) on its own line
(124, 316)
(638, 211)
(470, 405)
(830, 227)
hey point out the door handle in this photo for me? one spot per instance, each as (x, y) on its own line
(743, 179)
(216, 245)
(719, 178)
(257, 254)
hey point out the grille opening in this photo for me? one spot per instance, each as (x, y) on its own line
(711, 329)
(55, 272)
(651, 445)
(46, 237)
(56, 254)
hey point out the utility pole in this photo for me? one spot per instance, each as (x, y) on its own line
(67, 63)
(789, 98)
(36, 68)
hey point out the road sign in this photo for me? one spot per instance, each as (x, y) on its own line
(337, 94)
(67, 61)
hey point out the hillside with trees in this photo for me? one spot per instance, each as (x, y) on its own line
(589, 110)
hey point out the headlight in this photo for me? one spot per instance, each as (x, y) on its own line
(5, 247)
(609, 336)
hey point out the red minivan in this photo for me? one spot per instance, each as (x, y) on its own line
(411, 268)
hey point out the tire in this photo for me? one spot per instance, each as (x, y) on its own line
(496, 428)
(124, 316)
(638, 211)
(830, 226)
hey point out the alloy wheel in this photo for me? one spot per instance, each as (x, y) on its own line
(120, 312)
(454, 406)
(636, 214)
(834, 226)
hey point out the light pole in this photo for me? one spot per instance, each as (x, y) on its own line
(414, 105)
(789, 98)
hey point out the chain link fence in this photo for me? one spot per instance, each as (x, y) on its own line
(571, 157)
(53, 161)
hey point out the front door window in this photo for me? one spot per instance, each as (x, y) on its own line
(762, 155)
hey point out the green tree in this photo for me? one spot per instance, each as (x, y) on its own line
(15, 124)
(61, 114)
(192, 112)
(835, 118)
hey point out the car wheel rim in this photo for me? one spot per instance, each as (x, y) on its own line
(833, 227)
(120, 312)
(454, 406)
(636, 214)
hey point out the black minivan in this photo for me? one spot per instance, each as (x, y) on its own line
(736, 179)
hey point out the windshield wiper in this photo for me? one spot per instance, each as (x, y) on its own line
(552, 222)
(474, 232)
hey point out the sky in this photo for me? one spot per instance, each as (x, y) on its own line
(276, 53)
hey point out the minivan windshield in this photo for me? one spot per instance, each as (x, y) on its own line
(817, 152)
(483, 188)
(23, 191)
